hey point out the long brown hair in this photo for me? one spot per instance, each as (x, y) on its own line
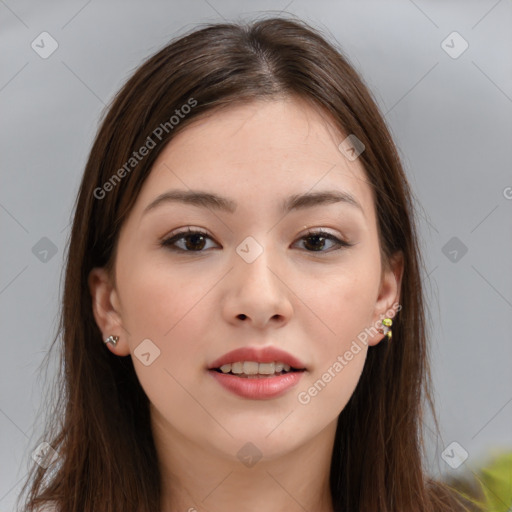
(100, 427)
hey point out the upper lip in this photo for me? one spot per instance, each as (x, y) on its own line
(260, 355)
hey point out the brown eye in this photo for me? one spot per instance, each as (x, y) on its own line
(318, 239)
(195, 241)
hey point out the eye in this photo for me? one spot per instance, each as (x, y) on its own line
(195, 238)
(195, 241)
(319, 237)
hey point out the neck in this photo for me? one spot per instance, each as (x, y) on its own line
(202, 479)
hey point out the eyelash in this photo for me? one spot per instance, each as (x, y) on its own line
(168, 243)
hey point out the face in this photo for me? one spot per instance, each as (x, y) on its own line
(256, 276)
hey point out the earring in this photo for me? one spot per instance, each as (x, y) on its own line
(112, 340)
(386, 330)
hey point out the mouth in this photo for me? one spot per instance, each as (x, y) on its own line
(256, 370)
(257, 373)
(255, 380)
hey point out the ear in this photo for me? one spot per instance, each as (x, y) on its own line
(106, 310)
(389, 295)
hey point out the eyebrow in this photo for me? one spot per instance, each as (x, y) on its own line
(213, 201)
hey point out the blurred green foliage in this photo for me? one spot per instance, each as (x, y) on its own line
(489, 488)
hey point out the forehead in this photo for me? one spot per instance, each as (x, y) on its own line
(261, 151)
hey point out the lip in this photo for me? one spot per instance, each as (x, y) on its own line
(257, 388)
(260, 355)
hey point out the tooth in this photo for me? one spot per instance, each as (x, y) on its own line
(266, 368)
(286, 367)
(237, 367)
(225, 368)
(251, 367)
(279, 367)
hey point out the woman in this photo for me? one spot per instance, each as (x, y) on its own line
(245, 233)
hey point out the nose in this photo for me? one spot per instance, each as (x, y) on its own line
(257, 293)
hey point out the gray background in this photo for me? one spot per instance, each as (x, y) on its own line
(451, 119)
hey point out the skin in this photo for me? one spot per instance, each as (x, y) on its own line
(310, 303)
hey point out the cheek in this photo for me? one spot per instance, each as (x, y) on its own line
(326, 393)
(159, 301)
(157, 305)
(342, 304)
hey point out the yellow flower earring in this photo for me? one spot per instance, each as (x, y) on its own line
(386, 329)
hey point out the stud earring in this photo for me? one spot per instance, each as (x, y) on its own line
(386, 330)
(112, 340)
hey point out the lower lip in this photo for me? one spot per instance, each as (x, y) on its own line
(258, 388)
